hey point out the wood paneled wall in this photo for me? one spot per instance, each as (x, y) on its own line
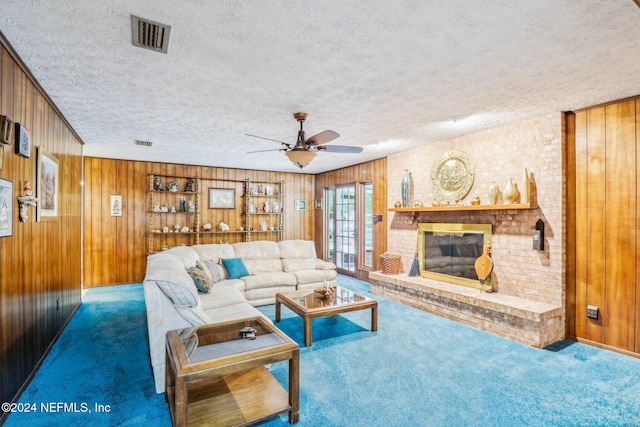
(604, 225)
(375, 172)
(115, 248)
(40, 274)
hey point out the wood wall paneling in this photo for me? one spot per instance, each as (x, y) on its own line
(621, 220)
(570, 137)
(115, 247)
(606, 224)
(40, 281)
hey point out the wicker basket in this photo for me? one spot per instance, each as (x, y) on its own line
(390, 263)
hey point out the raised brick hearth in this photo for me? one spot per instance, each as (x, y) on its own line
(533, 323)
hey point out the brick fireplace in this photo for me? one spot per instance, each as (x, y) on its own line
(529, 284)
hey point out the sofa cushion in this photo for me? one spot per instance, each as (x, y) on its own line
(215, 271)
(259, 257)
(313, 276)
(200, 278)
(295, 264)
(185, 254)
(222, 295)
(168, 273)
(235, 267)
(214, 251)
(269, 280)
(297, 249)
(324, 265)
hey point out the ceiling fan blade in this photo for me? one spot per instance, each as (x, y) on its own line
(273, 149)
(262, 137)
(340, 149)
(322, 137)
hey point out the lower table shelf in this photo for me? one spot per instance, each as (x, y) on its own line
(236, 399)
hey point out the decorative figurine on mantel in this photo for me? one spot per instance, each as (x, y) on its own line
(173, 186)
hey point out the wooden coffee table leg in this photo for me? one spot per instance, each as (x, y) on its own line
(307, 331)
(277, 311)
(374, 318)
(294, 387)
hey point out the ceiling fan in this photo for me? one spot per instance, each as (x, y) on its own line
(305, 150)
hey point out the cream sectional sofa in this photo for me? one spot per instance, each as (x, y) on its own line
(173, 301)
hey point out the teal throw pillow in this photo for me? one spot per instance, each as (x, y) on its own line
(235, 267)
(200, 279)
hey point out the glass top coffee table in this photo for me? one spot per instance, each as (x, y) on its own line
(310, 304)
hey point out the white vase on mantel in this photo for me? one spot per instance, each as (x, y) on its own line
(524, 189)
(510, 192)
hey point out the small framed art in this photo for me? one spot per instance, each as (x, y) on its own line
(23, 141)
(6, 208)
(6, 130)
(116, 205)
(222, 198)
(301, 205)
(47, 186)
(318, 203)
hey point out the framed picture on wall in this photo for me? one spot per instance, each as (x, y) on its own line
(301, 205)
(222, 198)
(116, 205)
(6, 130)
(48, 181)
(23, 141)
(6, 208)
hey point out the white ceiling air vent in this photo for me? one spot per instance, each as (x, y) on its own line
(149, 34)
(144, 143)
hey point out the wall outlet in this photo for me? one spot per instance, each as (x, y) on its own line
(592, 312)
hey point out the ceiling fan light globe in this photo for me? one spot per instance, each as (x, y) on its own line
(301, 158)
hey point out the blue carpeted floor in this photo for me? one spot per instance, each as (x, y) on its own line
(417, 370)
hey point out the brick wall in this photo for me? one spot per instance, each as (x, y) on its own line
(497, 154)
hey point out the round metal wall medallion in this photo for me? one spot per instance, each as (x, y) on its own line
(452, 176)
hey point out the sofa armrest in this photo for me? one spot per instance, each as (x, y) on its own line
(324, 265)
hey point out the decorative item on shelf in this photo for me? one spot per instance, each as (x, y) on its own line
(165, 247)
(192, 206)
(173, 209)
(173, 186)
(24, 203)
(157, 208)
(268, 189)
(253, 208)
(418, 204)
(398, 204)
(190, 186)
(164, 208)
(157, 184)
(476, 201)
(185, 229)
(176, 227)
(223, 226)
(275, 207)
(510, 192)
(263, 226)
(267, 207)
(524, 190)
(241, 228)
(493, 193)
(405, 188)
(224, 242)
(183, 204)
(206, 227)
(27, 190)
(452, 176)
(435, 202)
(165, 229)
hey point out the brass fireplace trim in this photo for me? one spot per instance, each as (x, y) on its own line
(485, 229)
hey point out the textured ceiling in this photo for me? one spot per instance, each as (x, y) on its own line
(386, 75)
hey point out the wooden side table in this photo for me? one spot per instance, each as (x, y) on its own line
(215, 377)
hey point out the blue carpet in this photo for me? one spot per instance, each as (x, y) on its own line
(417, 370)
